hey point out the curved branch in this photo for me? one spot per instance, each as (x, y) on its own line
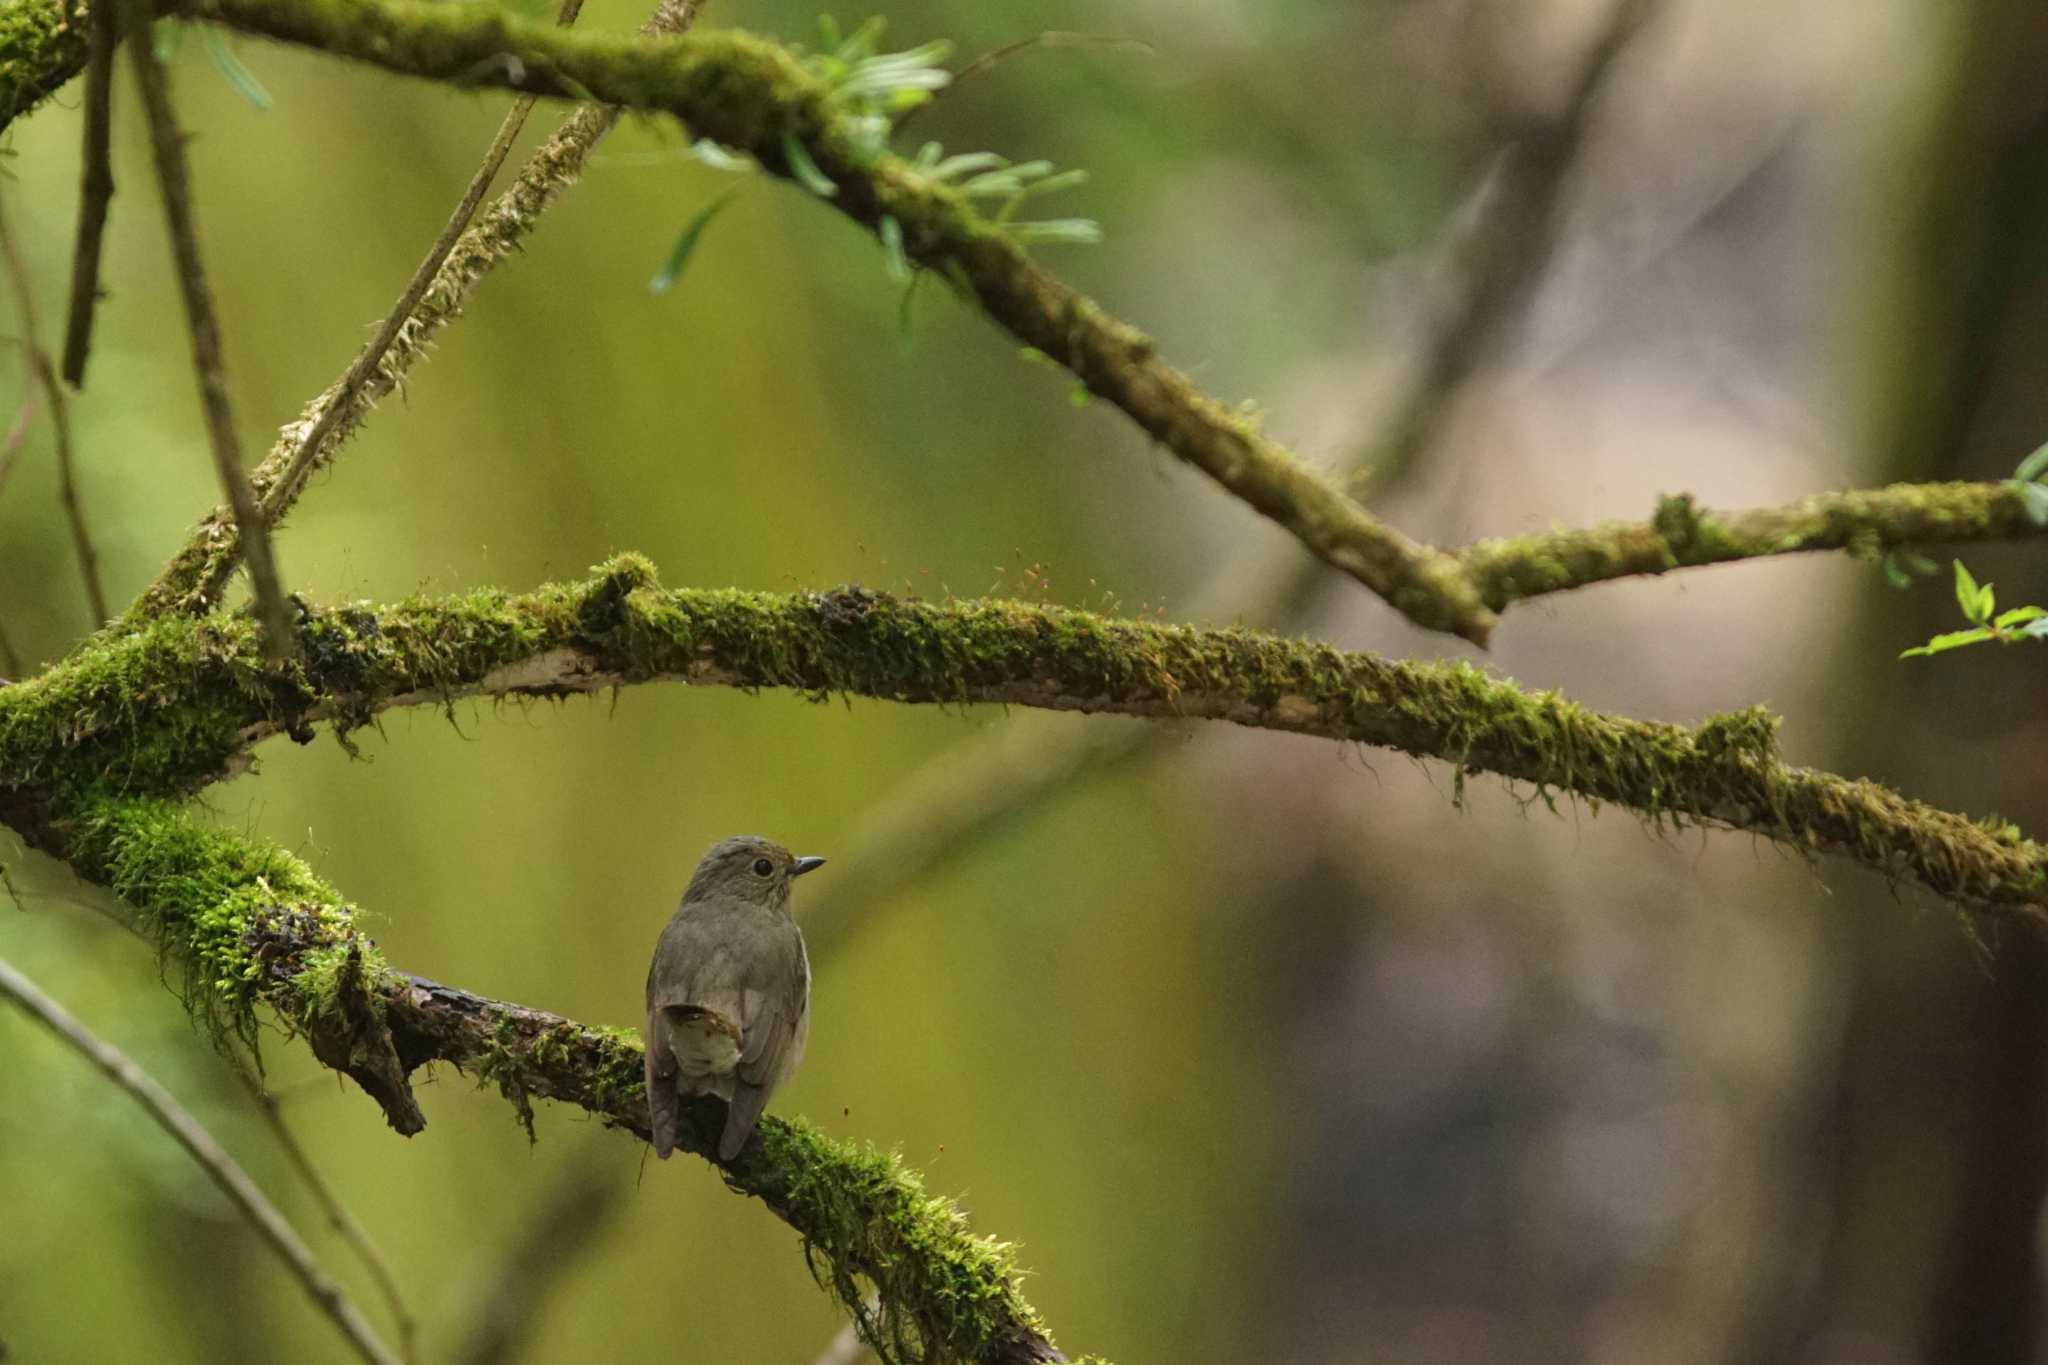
(1683, 535)
(172, 708)
(251, 923)
(753, 95)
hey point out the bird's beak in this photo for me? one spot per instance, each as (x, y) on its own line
(803, 865)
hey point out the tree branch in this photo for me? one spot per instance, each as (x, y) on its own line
(173, 708)
(1683, 535)
(221, 1168)
(755, 96)
(96, 190)
(167, 145)
(251, 924)
(196, 576)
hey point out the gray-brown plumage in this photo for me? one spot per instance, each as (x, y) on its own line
(729, 992)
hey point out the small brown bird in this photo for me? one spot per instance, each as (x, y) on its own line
(729, 992)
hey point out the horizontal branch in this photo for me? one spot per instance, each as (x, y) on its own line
(251, 923)
(1683, 535)
(174, 707)
(755, 96)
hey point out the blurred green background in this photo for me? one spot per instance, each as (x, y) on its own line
(1256, 1046)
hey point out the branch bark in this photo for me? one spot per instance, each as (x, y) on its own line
(177, 706)
(252, 925)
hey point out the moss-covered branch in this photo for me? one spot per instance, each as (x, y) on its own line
(1683, 535)
(754, 95)
(170, 709)
(43, 43)
(249, 923)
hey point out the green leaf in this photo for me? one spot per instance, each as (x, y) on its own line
(1895, 573)
(687, 243)
(806, 170)
(230, 66)
(954, 166)
(165, 36)
(1987, 603)
(898, 264)
(718, 158)
(1059, 231)
(1966, 592)
(2036, 498)
(2008, 619)
(2034, 466)
(1954, 639)
(2036, 629)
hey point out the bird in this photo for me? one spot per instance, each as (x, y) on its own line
(729, 990)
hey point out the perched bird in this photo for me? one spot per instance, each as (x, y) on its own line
(729, 992)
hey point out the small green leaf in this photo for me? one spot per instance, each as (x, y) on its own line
(718, 158)
(1895, 573)
(1917, 564)
(2037, 630)
(165, 36)
(1987, 603)
(806, 170)
(898, 264)
(1059, 231)
(1954, 639)
(1966, 592)
(2033, 467)
(230, 66)
(686, 243)
(2008, 619)
(2036, 498)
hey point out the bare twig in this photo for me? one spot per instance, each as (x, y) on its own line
(168, 147)
(17, 430)
(196, 576)
(60, 422)
(96, 189)
(312, 435)
(338, 1217)
(232, 1180)
(561, 1228)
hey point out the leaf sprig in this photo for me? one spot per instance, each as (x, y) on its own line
(1980, 607)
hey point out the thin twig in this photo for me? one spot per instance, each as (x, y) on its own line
(232, 1180)
(167, 145)
(197, 574)
(60, 422)
(338, 1217)
(96, 189)
(312, 436)
(989, 60)
(17, 431)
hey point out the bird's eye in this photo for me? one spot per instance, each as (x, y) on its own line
(762, 867)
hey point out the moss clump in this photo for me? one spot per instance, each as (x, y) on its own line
(940, 1293)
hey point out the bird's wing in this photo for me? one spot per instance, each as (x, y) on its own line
(775, 1013)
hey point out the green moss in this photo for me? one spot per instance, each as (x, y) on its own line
(42, 45)
(241, 920)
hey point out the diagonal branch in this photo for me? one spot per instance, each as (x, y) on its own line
(221, 1168)
(251, 924)
(197, 575)
(171, 709)
(755, 96)
(167, 145)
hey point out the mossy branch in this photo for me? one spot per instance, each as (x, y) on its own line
(1682, 534)
(754, 95)
(171, 708)
(251, 924)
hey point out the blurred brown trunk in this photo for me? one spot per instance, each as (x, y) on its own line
(1935, 1157)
